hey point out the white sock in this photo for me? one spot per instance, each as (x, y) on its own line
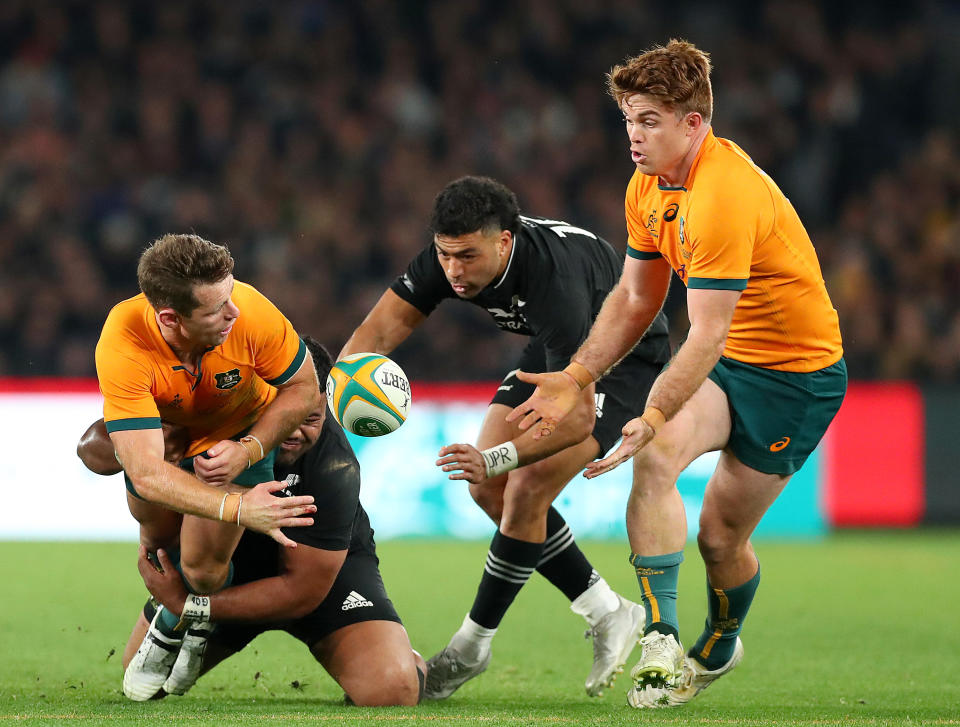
(472, 641)
(596, 602)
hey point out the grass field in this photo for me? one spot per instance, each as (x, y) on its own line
(857, 629)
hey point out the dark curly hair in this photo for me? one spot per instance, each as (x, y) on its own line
(469, 204)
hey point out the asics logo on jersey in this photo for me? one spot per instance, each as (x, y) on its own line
(354, 600)
(670, 214)
(781, 444)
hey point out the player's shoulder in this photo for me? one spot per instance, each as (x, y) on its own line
(727, 171)
(246, 293)
(127, 319)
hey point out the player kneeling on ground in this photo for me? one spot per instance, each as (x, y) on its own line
(327, 592)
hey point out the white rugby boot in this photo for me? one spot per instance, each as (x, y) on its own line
(694, 679)
(661, 661)
(613, 639)
(151, 665)
(446, 672)
(186, 669)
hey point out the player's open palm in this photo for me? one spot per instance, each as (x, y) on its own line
(556, 396)
(266, 513)
(467, 459)
(636, 435)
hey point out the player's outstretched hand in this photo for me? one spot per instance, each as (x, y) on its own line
(555, 396)
(266, 513)
(165, 583)
(467, 459)
(223, 462)
(636, 435)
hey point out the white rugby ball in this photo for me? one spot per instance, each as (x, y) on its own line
(368, 394)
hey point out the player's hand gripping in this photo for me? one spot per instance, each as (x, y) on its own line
(637, 433)
(223, 462)
(467, 459)
(165, 583)
(556, 395)
(264, 512)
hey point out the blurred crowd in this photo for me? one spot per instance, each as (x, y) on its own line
(312, 136)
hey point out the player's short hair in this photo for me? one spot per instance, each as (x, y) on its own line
(469, 204)
(322, 360)
(677, 75)
(173, 264)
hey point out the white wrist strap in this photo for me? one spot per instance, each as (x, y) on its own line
(500, 459)
(196, 610)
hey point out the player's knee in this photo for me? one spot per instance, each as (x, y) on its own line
(655, 467)
(395, 684)
(204, 577)
(531, 490)
(717, 542)
(489, 497)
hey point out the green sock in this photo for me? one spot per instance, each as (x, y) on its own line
(727, 610)
(167, 622)
(658, 575)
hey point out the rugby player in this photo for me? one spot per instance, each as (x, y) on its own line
(327, 592)
(759, 377)
(200, 350)
(543, 279)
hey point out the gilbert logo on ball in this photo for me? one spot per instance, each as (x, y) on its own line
(368, 394)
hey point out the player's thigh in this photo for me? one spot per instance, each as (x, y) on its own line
(736, 497)
(372, 661)
(159, 526)
(702, 425)
(541, 482)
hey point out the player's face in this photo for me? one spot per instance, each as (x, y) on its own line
(210, 322)
(659, 140)
(303, 437)
(471, 262)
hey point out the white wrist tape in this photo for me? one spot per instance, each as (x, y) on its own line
(501, 458)
(196, 610)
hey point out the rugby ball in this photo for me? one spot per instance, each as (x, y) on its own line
(368, 394)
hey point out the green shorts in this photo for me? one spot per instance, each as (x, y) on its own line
(778, 417)
(262, 471)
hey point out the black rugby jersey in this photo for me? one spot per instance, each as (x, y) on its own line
(555, 282)
(330, 472)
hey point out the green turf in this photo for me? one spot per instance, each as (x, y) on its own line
(858, 629)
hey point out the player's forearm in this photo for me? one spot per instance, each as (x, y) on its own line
(279, 598)
(624, 318)
(165, 484)
(686, 372)
(387, 325)
(283, 415)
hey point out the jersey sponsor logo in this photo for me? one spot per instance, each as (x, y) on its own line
(599, 400)
(779, 445)
(683, 222)
(176, 402)
(651, 224)
(228, 379)
(513, 319)
(408, 284)
(670, 213)
(355, 600)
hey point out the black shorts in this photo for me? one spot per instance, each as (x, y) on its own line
(621, 395)
(357, 595)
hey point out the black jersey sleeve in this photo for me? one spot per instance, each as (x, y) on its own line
(330, 472)
(423, 285)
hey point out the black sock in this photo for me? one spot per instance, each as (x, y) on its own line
(510, 563)
(562, 562)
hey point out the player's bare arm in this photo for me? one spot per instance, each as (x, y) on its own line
(95, 449)
(711, 312)
(466, 462)
(294, 401)
(141, 454)
(386, 326)
(306, 575)
(625, 316)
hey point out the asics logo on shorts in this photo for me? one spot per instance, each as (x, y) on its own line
(354, 600)
(782, 444)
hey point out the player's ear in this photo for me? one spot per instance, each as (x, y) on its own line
(693, 122)
(168, 317)
(506, 237)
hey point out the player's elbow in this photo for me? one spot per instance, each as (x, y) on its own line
(92, 461)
